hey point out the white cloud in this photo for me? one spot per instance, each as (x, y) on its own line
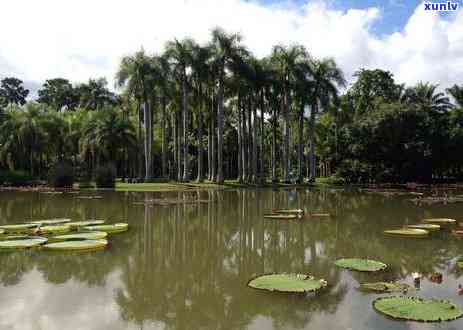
(87, 38)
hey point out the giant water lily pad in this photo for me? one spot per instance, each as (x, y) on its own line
(407, 232)
(291, 211)
(21, 228)
(78, 224)
(110, 229)
(291, 283)
(280, 216)
(441, 221)
(425, 226)
(21, 242)
(417, 309)
(77, 245)
(460, 264)
(58, 229)
(361, 265)
(51, 221)
(2, 231)
(79, 236)
(384, 287)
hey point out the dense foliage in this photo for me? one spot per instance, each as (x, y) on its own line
(215, 111)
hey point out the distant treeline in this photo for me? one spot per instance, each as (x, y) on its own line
(215, 111)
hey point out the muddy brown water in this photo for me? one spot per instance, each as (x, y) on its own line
(186, 265)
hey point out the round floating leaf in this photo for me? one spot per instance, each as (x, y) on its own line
(77, 224)
(425, 226)
(384, 287)
(293, 211)
(460, 264)
(417, 309)
(58, 229)
(79, 236)
(21, 242)
(361, 265)
(408, 232)
(2, 231)
(291, 283)
(77, 245)
(51, 221)
(110, 229)
(21, 228)
(441, 222)
(280, 216)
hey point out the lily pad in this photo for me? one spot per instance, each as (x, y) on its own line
(425, 226)
(2, 231)
(292, 211)
(441, 222)
(21, 228)
(78, 224)
(291, 283)
(384, 287)
(417, 309)
(51, 221)
(361, 265)
(58, 229)
(408, 232)
(79, 236)
(110, 229)
(21, 242)
(460, 264)
(280, 216)
(77, 245)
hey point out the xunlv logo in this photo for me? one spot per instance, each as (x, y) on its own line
(441, 6)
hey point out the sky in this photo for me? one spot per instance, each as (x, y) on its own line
(82, 39)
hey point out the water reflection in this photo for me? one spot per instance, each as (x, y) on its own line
(186, 266)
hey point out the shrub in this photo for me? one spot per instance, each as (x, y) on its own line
(15, 178)
(61, 175)
(354, 171)
(105, 176)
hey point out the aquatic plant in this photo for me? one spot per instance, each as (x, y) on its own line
(290, 283)
(384, 287)
(417, 309)
(361, 265)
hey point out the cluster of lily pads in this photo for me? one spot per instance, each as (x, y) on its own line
(397, 307)
(59, 235)
(284, 214)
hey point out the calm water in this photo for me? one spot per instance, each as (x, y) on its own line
(186, 266)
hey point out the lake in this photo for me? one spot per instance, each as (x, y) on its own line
(186, 266)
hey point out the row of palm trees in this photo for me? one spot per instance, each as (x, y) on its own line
(223, 79)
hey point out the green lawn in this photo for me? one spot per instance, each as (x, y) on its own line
(176, 186)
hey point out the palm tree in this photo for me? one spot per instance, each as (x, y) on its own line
(137, 73)
(227, 50)
(287, 61)
(326, 79)
(179, 53)
(425, 97)
(457, 94)
(201, 74)
(94, 94)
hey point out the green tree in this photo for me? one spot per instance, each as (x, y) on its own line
(59, 94)
(12, 92)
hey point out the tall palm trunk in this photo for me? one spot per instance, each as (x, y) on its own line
(186, 123)
(274, 145)
(262, 148)
(179, 147)
(240, 141)
(286, 135)
(250, 143)
(175, 155)
(148, 141)
(200, 144)
(244, 145)
(254, 145)
(140, 154)
(313, 111)
(209, 151)
(164, 137)
(220, 127)
(214, 142)
(300, 144)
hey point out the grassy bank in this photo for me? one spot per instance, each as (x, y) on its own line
(176, 186)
